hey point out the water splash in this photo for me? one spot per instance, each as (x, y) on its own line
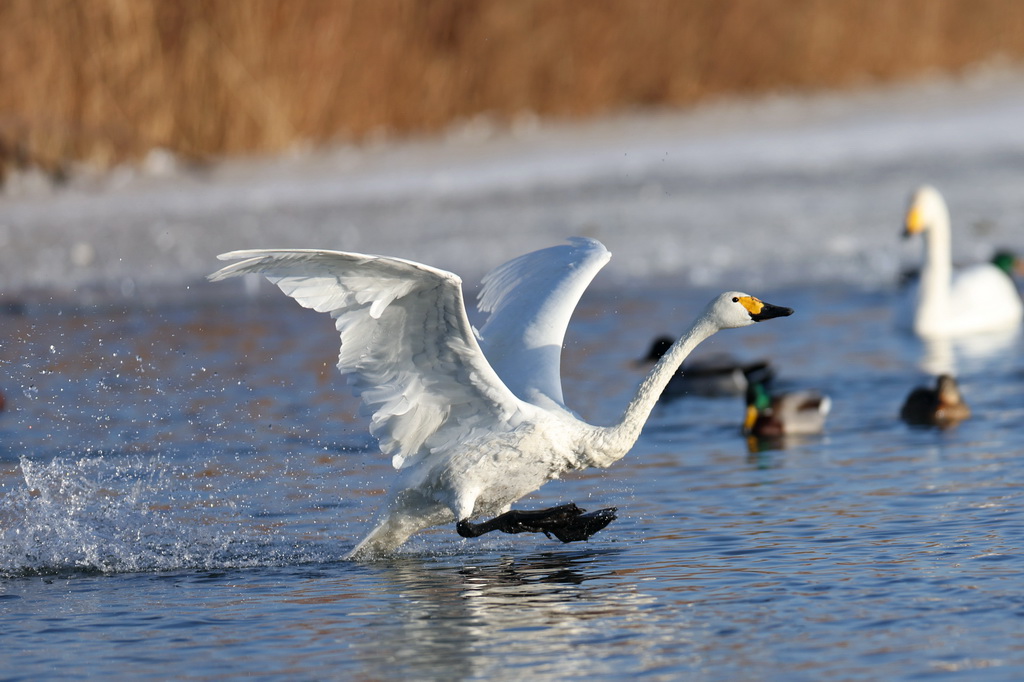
(117, 515)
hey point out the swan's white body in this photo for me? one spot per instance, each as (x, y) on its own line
(469, 433)
(978, 299)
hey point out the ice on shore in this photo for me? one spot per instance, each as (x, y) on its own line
(753, 193)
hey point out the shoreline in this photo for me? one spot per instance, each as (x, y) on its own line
(819, 178)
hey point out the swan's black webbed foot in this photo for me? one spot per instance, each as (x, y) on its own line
(566, 522)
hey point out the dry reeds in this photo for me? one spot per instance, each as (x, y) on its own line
(107, 80)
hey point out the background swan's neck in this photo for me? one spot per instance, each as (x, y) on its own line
(936, 274)
(622, 436)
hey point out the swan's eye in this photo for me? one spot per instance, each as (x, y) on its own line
(735, 299)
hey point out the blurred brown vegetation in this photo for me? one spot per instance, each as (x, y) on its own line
(106, 80)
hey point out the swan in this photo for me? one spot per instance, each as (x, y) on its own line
(474, 421)
(942, 406)
(793, 413)
(978, 299)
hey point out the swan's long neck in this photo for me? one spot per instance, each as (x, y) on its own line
(936, 274)
(622, 436)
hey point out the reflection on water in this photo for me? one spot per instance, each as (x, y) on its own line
(940, 356)
(176, 489)
(481, 617)
(758, 445)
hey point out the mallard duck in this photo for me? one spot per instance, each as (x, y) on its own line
(473, 420)
(794, 413)
(974, 300)
(942, 406)
(1010, 263)
(712, 375)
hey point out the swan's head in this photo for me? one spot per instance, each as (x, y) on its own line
(736, 309)
(926, 208)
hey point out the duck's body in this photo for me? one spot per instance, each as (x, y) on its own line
(942, 406)
(794, 413)
(469, 433)
(974, 300)
(711, 376)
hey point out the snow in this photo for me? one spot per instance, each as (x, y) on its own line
(742, 194)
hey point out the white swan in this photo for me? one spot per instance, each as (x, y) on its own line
(470, 434)
(978, 299)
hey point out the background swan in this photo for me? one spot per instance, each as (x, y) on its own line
(471, 434)
(978, 299)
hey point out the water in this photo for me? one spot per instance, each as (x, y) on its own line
(178, 484)
(181, 469)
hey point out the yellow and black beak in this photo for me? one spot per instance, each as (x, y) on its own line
(760, 311)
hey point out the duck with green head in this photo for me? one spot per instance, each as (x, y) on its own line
(795, 413)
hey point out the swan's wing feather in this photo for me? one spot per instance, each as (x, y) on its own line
(530, 300)
(406, 343)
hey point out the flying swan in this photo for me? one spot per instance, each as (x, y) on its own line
(978, 299)
(474, 420)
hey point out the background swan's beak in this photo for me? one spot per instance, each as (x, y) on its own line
(914, 223)
(769, 311)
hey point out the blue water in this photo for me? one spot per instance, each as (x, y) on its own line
(179, 482)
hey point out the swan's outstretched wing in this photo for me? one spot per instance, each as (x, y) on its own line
(530, 300)
(406, 343)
